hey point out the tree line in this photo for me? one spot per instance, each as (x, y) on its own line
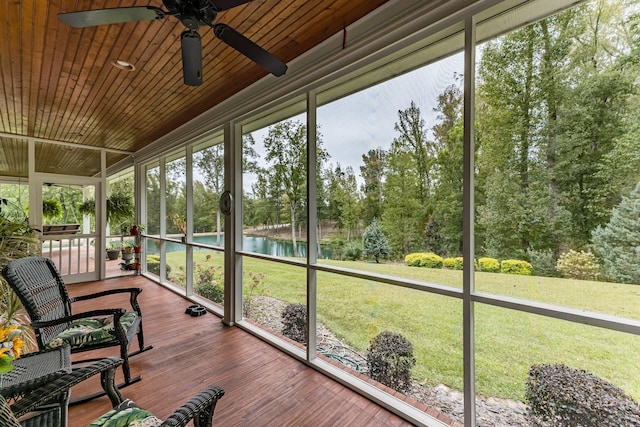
(556, 149)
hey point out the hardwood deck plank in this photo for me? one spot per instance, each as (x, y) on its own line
(263, 386)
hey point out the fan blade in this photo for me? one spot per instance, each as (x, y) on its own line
(221, 5)
(191, 58)
(250, 49)
(90, 18)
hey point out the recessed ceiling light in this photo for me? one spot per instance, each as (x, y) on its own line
(123, 65)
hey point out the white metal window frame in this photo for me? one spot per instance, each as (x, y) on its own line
(386, 41)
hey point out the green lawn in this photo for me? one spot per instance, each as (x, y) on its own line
(507, 342)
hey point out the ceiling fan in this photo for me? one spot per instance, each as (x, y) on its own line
(193, 14)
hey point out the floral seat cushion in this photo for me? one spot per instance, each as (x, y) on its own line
(91, 331)
(127, 414)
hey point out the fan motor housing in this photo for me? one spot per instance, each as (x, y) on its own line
(193, 13)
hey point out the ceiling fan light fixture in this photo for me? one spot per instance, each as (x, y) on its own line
(123, 65)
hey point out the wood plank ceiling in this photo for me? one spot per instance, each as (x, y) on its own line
(58, 83)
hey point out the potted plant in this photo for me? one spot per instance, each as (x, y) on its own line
(180, 223)
(119, 208)
(136, 229)
(127, 251)
(113, 251)
(51, 209)
(17, 240)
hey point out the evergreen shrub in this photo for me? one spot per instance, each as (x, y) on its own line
(578, 265)
(515, 266)
(390, 359)
(544, 262)
(374, 241)
(294, 322)
(490, 265)
(352, 251)
(617, 243)
(561, 396)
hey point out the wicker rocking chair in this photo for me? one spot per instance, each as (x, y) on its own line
(44, 296)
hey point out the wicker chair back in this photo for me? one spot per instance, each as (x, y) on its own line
(43, 294)
(37, 283)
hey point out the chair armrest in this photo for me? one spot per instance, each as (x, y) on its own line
(115, 312)
(133, 291)
(133, 297)
(201, 406)
(36, 353)
(51, 391)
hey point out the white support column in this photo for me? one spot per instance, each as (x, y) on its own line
(140, 194)
(189, 218)
(468, 317)
(312, 224)
(100, 198)
(35, 193)
(163, 216)
(233, 224)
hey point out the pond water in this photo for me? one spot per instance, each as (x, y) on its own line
(257, 244)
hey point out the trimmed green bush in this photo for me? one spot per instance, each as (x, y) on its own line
(424, 259)
(563, 396)
(294, 322)
(515, 266)
(456, 263)
(413, 260)
(390, 359)
(490, 265)
(431, 260)
(578, 265)
(211, 291)
(153, 265)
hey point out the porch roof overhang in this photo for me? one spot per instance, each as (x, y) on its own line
(62, 93)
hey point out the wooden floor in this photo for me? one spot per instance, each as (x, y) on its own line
(263, 386)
